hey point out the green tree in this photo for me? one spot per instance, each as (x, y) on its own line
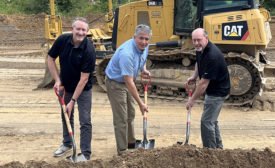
(269, 5)
(64, 6)
(35, 7)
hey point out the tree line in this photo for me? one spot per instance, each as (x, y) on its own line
(72, 8)
(62, 7)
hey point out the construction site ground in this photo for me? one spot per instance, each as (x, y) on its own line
(30, 123)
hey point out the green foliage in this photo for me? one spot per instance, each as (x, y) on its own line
(74, 8)
(269, 5)
(11, 7)
(35, 7)
(63, 7)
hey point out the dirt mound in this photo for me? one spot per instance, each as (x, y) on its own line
(176, 156)
(24, 22)
(22, 30)
(36, 22)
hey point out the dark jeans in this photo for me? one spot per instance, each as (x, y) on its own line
(210, 132)
(84, 103)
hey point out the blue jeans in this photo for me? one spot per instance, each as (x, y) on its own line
(210, 132)
(84, 103)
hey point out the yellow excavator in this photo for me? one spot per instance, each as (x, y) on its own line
(240, 28)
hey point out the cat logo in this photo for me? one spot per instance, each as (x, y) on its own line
(235, 31)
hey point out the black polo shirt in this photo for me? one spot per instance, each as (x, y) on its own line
(212, 66)
(73, 60)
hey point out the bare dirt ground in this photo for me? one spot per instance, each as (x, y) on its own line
(30, 124)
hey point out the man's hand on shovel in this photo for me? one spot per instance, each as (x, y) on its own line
(190, 87)
(143, 108)
(190, 104)
(60, 92)
(69, 108)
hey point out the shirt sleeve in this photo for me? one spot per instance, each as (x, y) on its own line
(126, 64)
(56, 48)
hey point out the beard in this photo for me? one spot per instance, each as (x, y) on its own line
(80, 38)
(198, 48)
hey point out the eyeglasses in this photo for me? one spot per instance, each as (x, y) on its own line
(196, 40)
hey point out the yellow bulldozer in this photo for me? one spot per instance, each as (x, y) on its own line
(240, 28)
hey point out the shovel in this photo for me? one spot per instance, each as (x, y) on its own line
(61, 95)
(145, 143)
(190, 91)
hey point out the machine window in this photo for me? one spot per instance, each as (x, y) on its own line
(223, 4)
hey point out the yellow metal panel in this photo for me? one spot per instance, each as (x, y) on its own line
(161, 19)
(259, 25)
(255, 23)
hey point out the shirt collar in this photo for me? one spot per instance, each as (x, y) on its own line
(207, 47)
(136, 48)
(82, 44)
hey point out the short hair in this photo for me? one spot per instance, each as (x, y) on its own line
(82, 19)
(205, 34)
(143, 28)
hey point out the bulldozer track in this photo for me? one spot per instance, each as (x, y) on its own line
(248, 76)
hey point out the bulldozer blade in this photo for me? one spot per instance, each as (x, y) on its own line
(145, 144)
(48, 80)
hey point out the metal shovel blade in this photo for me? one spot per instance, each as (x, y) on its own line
(73, 157)
(145, 144)
(187, 129)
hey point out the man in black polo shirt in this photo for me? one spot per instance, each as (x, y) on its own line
(214, 80)
(77, 60)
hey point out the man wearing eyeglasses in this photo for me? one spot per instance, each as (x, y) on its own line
(212, 70)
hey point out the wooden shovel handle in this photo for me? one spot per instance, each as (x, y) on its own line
(64, 109)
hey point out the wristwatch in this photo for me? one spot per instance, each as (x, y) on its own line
(73, 100)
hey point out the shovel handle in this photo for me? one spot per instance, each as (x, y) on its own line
(145, 93)
(145, 102)
(63, 105)
(146, 86)
(190, 91)
(57, 92)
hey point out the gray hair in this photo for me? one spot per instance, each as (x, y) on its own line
(205, 34)
(82, 19)
(144, 29)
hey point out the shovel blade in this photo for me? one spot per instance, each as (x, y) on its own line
(71, 159)
(145, 144)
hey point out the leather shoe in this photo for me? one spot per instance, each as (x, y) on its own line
(131, 145)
